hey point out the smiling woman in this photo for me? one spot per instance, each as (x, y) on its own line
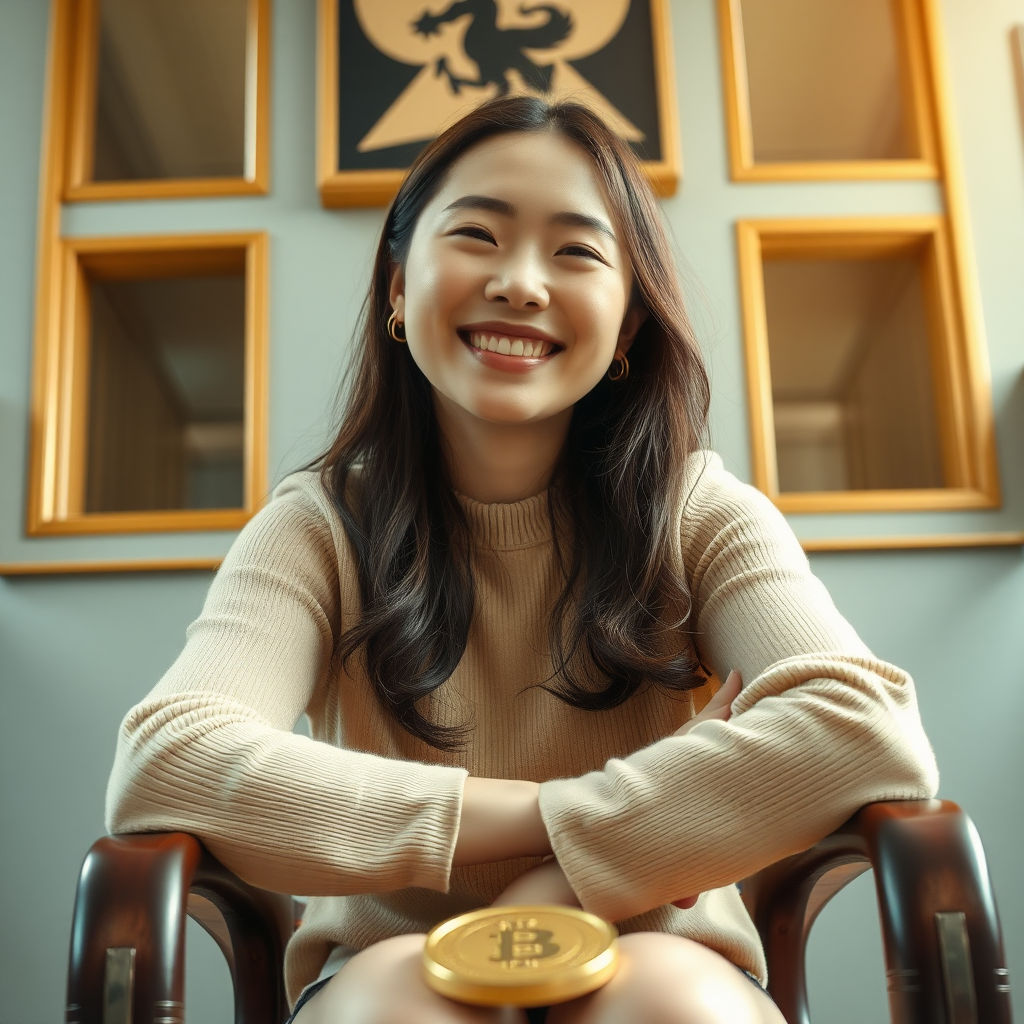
(494, 596)
(484, 238)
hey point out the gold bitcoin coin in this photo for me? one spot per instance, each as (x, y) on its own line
(520, 956)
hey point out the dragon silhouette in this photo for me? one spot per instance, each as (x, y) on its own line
(496, 51)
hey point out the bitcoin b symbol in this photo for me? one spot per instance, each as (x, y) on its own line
(521, 944)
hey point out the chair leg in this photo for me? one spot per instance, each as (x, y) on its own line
(257, 925)
(784, 901)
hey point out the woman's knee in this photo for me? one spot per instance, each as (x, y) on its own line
(384, 984)
(665, 979)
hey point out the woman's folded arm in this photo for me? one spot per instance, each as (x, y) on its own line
(703, 810)
(820, 728)
(211, 749)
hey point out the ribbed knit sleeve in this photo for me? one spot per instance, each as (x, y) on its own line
(210, 750)
(820, 728)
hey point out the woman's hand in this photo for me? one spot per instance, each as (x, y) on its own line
(501, 819)
(719, 707)
(546, 883)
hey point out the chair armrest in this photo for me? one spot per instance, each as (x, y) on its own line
(943, 945)
(127, 960)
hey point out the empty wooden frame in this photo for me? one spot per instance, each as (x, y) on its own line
(957, 467)
(788, 99)
(66, 494)
(89, 69)
(391, 76)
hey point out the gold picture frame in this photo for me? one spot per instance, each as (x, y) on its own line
(914, 36)
(74, 57)
(60, 379)
(350, 176)
(964, 405)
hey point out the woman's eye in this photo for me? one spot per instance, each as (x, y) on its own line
(580, 250)
(471, 232)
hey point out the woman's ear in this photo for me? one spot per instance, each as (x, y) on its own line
(631, 323)
(396, 291)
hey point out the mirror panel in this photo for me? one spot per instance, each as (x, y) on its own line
(826, 81)
(166, 394)
(853, 382)
(170, 90)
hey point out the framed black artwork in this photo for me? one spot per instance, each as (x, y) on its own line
(394, 73)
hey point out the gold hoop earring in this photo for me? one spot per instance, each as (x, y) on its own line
(622, 371)
(393, 325)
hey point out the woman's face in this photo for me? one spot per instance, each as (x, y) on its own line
(515, 291)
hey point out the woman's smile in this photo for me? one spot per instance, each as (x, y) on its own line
(513, 348)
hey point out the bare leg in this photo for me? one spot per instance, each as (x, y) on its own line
(383, 985)
(664, 979)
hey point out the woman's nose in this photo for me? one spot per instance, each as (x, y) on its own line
(520, 282)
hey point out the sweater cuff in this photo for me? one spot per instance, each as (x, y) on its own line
(573, 811)
(427, 843)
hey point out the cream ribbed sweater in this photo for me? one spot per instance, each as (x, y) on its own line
(364, 818)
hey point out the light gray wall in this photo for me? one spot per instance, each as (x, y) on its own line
(75, 653)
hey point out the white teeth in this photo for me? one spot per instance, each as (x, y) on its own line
(510, 347)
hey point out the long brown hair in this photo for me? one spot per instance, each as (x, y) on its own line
(614, 496)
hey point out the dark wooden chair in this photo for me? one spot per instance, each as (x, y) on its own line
(943, 945)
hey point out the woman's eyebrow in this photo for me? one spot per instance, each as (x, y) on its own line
(482, 203)
(581, 220)
(506, 209)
